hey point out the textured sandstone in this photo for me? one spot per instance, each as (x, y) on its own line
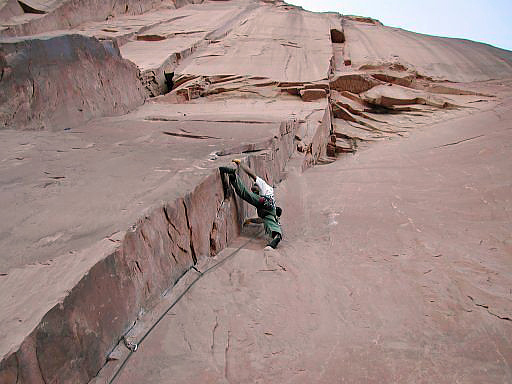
(439, 58)
(104, 218)
(62, 14)
(58, 82)
(375, 289)
(132, 270)
(10, 8)
(312, 94)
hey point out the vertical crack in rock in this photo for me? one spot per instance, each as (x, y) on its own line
(332, 68)
(17, 367)
(192, 250)
(213, 333)
(213, 242)
(138, 266)
(33, 90)
(174, 256)
(226, 350)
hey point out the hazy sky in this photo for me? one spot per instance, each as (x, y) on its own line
(488, 21)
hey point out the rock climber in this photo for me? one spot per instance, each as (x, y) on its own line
(260, 196)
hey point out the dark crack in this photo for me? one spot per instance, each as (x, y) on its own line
(192, 250)
(500, 317)
(213, 233)
(181, 248)
(174, 257)
(226, 350)
(138, 266)
(170, 221)
(17, 367)
(213, 333)
(190, 136)
(162, 118)
(486, 307)
(458, 142)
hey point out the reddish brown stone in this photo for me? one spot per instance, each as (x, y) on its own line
(100, 222)
(47, 82)
(312, 94)
(353, 82)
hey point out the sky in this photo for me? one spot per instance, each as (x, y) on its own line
(488, 21)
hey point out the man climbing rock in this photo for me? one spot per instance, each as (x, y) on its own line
(260, 196)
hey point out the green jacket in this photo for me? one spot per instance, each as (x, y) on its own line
(266, 210)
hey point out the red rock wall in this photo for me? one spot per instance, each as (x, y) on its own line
(73, 340)
(59, 82)
(71, 13)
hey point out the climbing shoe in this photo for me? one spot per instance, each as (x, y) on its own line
(275, 241)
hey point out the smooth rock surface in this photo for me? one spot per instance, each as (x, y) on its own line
(276, 43)
(380, 47)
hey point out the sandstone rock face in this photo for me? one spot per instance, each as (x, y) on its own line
(43, 16)
(57, 82)
(114, 122)
(391, 48)
(10, 8)
(364, 300)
